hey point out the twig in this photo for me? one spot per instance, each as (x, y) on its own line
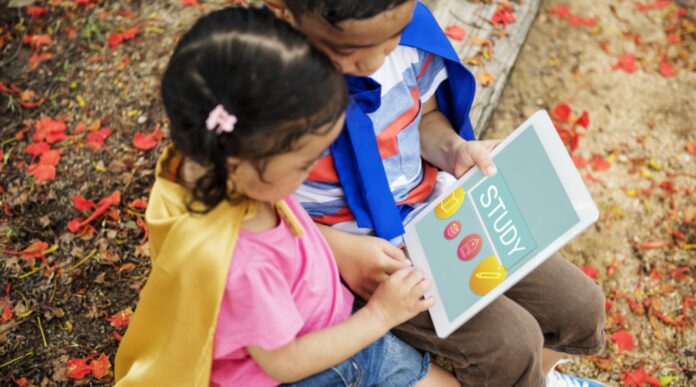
(43, 335)
(30, 353)
(83, 260)
(25, 275)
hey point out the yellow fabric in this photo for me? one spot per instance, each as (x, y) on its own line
(169, 341)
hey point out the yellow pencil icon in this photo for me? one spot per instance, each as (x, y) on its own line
(488, 275)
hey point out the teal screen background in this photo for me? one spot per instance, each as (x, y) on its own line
(541, 206)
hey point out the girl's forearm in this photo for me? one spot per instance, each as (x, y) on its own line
(321, 350)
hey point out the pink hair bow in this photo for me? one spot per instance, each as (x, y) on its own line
(220, 120)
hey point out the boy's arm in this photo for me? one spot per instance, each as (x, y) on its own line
(445, 149)
(363, 261)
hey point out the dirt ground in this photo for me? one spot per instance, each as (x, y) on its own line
(642, 122)
(68, 285)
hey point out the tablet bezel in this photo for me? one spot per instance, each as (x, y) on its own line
(573, 186)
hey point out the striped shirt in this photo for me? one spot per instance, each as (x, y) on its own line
(409, 77)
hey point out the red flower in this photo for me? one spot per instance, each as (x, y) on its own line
(623, 339)
(81, 203)
(627, 63)
(455, 32)
(77, 368)
(146, 142)
(122, 318)
(100, 366)
(562, 111)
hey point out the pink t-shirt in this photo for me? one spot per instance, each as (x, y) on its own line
(279, 287)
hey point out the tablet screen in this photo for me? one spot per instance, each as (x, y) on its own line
(487, 229)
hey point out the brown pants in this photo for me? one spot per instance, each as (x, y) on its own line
(556, 306)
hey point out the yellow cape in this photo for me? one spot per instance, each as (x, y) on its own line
(169, 341)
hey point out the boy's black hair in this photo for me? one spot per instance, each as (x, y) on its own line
(336, 11)
(259, 69)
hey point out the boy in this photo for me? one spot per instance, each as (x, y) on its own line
(412, 96)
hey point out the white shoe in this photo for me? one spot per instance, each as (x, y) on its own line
(559, 379)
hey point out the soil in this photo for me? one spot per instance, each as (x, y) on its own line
(71, 299)
(643, 122)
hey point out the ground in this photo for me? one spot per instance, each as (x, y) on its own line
(68, 285)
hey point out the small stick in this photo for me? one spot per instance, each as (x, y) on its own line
(30, 353)
(83, 260)
(43, 335)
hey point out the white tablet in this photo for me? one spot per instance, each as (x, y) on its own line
(484, 234)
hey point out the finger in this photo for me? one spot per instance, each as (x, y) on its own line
(425, 304)
(482, 158)
(413, 278)
(491, 144)
(400, 274)
(390, 266)
(394, 252)
(421, 287)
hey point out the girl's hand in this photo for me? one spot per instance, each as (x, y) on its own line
(364, 261)
(466, 154)
(400, 297)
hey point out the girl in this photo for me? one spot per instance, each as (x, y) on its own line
(244, 290)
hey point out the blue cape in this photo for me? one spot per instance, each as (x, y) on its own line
(355, 152)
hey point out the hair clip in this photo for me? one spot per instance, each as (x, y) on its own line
(220, 120)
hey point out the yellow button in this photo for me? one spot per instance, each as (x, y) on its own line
(488, 274)
(451, 204)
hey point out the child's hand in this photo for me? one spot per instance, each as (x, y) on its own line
(399, 298)
(365, 261)
(466, 154)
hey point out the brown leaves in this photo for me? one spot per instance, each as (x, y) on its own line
(485, 78)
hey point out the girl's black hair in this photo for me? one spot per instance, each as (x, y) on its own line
(259, 69)
(336, 11)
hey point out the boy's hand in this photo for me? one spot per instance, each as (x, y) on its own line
(399, 298)
(466, 154)
(366, 261)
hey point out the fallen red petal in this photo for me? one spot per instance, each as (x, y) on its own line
(562, 111)
(667, 70)
(81, 203)
(100, 366)
(77, 368)
(148, 141)
(455, 32)
(623, 339)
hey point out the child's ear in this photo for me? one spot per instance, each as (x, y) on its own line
(232, 164)
(280, 10)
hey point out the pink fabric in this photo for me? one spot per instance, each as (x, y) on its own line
(279, 287)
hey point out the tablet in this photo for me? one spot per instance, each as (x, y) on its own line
(484, 234)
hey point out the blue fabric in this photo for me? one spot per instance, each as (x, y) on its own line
(355, 152)
(386, 362)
